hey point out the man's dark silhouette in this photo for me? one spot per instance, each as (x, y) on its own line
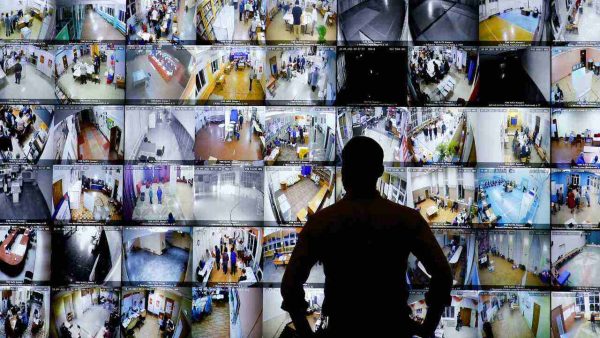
(363, 242)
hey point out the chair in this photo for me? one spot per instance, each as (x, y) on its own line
(143, 158)
(160, 152)
(259, 275)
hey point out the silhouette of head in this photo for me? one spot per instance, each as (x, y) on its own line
(362, 164)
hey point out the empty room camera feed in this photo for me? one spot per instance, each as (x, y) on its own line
(27, 192)
(526, 22)
(26, 254)
(575, 256)
(372, 22)
(575, 137)
(433, 20)
(575, 80)
(87, 193)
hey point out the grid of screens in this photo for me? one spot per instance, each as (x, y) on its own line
(159, 158)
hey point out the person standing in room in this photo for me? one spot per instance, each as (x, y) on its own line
(314, 78)
(458, 322)
(297, 15)
(233, 259)
(571, 200)
(379, 228)
(251, 76)
(6, 25)
(241, 120)
(18, 71)
(150, 193)
(242, 4)
(159, 195)
(218, 257)
(587, 197)
(169, 328)
(301, 131)
(435, 130)
(314, 19)
(225, 258)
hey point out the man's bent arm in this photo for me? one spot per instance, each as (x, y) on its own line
(428, 251)
(296, 273)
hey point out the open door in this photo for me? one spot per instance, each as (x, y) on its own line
(465, 316)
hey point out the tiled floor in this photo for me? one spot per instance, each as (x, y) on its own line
(34, 85)
(92, 320)
(438, 20)
(497, 29)
(32, 204)
(510, 323)
(564, 152)
(295, 89)
(92, 144)
(237, 87)
(96, 28)
(162, 135)
(245, 205)
(299, 194)
(180, 204)
(102, 91)
(101, 201)
(584, 268)
(273, 273)
(216, 324)
(209, 143)
(566, 86)
(588, 25)
(144, 266)
(504, 274)
(374, 20)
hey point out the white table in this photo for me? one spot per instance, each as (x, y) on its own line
(139, 76)
(432, 210)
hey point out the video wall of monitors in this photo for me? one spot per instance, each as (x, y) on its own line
(159, 158)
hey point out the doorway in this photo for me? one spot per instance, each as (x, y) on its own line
(115, 138)
(536, 318)
(57, 193)
(465, 316)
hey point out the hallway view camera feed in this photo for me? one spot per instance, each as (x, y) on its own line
(33, 20)
(516, 258)
(278, 245)
(230, 133)
(26, 191)
(227, 312)
(158, 74)
(227, 256)
(575, 198)
(575, 256)
(515, 313)
(443, 75)
(575, 138)
(444, 196)
(28, 306)
(25, 132)
(431, 20)
(90, 20)
(511, 136)
(88, 133)
(229, 194)
(156, 312)
(159, 193)
(292, 193)
(572, 313)
(25, 258)
(523, 73)
(85, 312)
(233, 22)
(513, 197)
(463, 306)
(160, 133)
(90, 73)
(276, 322)
(157, 255)
(161, 21)
(458, 246)
(575, 76)
(374, 75)
(372, 22)
(575, 22)
(300, 75)
(300, 134)
(307, 22)
(27, 73)
(438, 135)
(86, 255)
(386, 125)
(526, 22)
(87, 193)
(228, 74)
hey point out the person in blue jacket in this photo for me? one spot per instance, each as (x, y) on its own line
(159, 195)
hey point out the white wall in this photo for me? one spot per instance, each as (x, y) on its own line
(577, 120)
(570, 241)
(136, 126)
(537, 64)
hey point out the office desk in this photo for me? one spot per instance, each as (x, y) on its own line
(315, 202)
(139, 76)
(18, 245)
(205, 272)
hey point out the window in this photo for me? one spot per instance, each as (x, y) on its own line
(131, 9)
(215, 65)
(448, 312)
(121, 16)
(575, 180)
(200, 81)
(595, 303)
(579, 303)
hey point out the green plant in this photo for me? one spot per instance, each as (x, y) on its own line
(453, 147)
(322, 30)
(442, 149)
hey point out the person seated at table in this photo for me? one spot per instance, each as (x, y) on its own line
(580, 159)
